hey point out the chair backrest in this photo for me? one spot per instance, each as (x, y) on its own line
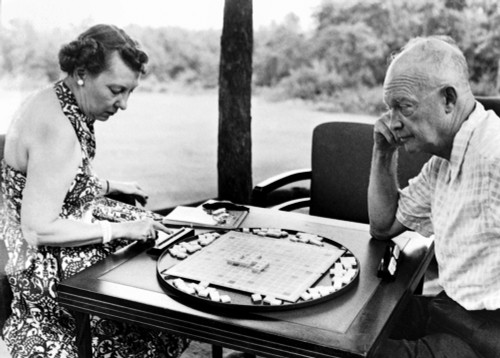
(340, 163)
(492, 103)
(5, 291)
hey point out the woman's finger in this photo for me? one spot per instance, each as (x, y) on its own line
(161, 227)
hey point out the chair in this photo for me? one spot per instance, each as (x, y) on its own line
(5, 291)
(340, 170)
(492, 103)
(339, 174)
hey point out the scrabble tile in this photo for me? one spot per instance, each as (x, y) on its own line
(270, 300)
(214, 296)
(306, 296)
(203, 293)
(256, 298)
(324, 290)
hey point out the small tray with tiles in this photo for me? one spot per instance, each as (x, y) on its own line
(257, 269)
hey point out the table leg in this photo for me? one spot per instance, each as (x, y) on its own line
(216, 351)
(83, 335)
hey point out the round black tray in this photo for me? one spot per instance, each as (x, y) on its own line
(242, 300)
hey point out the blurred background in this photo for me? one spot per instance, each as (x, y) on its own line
(314, 61)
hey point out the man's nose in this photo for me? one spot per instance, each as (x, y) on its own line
(395, 120)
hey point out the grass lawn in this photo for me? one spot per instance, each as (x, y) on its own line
(168, 142)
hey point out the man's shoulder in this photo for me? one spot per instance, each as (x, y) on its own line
(486, 136)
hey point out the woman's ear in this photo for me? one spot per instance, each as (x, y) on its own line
(450, 96)
(80, 74)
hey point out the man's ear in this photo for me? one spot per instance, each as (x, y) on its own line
(450, 96)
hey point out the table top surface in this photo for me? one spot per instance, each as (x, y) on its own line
(124, 286)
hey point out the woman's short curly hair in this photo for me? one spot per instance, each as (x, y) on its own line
(92, 49)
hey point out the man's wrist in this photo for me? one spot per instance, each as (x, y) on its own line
(385, 154)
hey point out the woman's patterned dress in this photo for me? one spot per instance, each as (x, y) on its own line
(39, 326)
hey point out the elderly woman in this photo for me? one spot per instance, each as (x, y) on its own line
(57, 220)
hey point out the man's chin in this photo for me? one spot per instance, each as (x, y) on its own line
(410, 148)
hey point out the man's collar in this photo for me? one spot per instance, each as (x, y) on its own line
(462, 139)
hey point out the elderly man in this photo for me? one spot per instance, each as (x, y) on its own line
(456, 197)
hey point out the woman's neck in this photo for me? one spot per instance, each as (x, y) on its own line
(79, 95)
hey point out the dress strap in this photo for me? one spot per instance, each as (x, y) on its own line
(83, 125)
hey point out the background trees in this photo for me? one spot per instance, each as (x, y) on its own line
(339, 64)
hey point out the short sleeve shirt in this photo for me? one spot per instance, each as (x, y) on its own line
(458, 201)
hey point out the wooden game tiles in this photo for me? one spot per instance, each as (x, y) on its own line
(301, 237)
(257, 299)
(185, 248)
(254, 261)
(342, 273)
(221, 215)
(201, 289)
(389, 263)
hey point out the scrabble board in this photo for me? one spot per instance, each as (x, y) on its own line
(281, 266)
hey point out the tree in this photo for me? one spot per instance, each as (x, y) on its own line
(278, 50)
(234, 158)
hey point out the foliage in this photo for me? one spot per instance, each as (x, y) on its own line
(278, 51)
(346, 52)
(178, 57)
(344, 65)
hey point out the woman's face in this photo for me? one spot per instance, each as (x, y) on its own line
(108, 91)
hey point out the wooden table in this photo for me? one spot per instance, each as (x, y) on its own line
(124, 287)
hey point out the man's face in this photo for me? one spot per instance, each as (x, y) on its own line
(109, 91)
(418, 117)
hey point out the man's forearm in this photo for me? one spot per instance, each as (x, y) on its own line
(383, 194)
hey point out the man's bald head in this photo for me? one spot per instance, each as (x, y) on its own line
(434, 61)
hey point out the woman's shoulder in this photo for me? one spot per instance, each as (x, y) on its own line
(39, 123)
(43, 102)
(40, 116)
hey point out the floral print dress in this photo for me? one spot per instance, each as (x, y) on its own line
(38, 325)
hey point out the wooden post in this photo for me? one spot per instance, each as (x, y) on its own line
(234, 158)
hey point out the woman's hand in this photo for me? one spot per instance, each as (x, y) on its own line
(129, 188)
(140, 230)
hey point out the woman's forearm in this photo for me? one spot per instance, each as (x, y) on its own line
(67, 233)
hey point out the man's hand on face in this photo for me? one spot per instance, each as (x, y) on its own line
(385, 139)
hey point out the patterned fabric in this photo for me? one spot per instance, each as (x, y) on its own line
(39, 326)
(459, 202)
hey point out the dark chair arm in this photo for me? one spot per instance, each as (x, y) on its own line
(295, 204)
(5, 291)
(261, 190)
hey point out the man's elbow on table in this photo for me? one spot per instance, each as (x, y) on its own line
(379, 235)
(387, 231)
